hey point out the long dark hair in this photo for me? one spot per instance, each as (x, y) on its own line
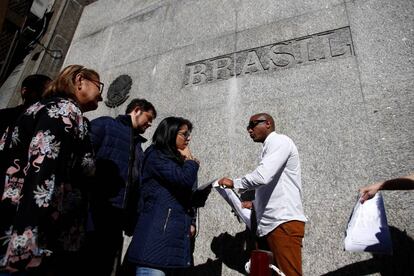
(165, 136)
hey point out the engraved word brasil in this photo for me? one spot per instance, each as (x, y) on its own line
(281, 55)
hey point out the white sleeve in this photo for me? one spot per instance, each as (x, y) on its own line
(276, 154)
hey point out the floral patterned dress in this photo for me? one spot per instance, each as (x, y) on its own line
(43, 206)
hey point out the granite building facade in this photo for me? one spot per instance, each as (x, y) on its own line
(337, 75)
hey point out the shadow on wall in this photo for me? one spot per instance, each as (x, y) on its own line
(233, 251)
(211, 267)
(400, 263)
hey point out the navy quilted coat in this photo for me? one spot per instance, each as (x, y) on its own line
(162, 235)
(111, 139)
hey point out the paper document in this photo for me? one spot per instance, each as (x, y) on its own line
(213, 183)
(234, 201)
(368, 229)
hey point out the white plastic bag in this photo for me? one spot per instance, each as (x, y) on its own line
(368, 229)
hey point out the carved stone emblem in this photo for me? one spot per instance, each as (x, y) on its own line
(118, 91)
(282, 55)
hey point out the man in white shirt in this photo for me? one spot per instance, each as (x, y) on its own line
(278, 194)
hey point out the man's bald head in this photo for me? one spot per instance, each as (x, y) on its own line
(260, 126)
(265, 116)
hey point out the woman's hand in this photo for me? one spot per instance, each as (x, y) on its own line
(186, 153)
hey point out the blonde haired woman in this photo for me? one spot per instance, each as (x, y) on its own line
(43, 204)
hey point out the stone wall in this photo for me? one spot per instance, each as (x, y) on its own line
(338, 77)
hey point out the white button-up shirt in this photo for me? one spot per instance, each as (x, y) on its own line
(277, 181)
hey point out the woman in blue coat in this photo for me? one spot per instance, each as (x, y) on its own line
(161, 240)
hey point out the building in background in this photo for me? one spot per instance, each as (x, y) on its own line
(34, 38)
(338, 77)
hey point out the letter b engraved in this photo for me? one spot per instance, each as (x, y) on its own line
(197, 74)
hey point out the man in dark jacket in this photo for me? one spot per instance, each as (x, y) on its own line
(117, 145)
(31, 91)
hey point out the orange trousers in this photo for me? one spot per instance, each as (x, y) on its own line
(285, 242)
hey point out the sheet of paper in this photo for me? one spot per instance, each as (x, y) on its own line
(368, 229)
(213, 183)
(234, 201)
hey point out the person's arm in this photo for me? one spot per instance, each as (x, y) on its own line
(49, 156)
(402, 183)
(183, 176)
(193, 224)
(97, 133)
(275, 157)
(186, 153)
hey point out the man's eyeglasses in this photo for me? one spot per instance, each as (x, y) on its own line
(98, 84)
(185, 135)
(254, 123)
